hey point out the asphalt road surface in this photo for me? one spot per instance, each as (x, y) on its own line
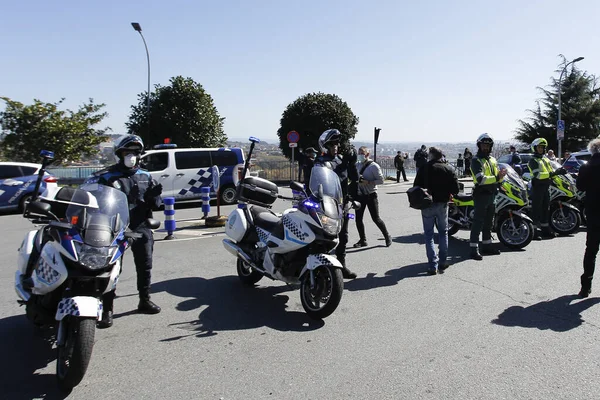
(508, 327)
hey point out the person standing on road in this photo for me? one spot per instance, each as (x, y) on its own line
(399, 164)
(307, 161)
(143, 195)
(468, 156)
(515, 160)
(345, 168)
(541, 178)
(587, 181)
(460, 166)
(368, 178)
(486, 176)
(420, 157)
(441, 183)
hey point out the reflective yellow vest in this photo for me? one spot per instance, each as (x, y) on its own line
(484, 171)
(542, 169)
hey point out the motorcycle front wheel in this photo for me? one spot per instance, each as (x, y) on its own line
(515, 232)
(321, 300)
(453, 227)
(74, 355)
(564, 221)
(248, 275)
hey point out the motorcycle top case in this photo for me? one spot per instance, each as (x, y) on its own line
(258, 191)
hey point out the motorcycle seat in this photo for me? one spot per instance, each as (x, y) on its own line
(267, 220)
(463, 197)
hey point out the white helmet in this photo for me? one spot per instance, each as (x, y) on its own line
(330, 136)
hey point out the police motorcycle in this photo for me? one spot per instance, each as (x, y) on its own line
(513, 226)
(565, 217)
(293, 247)
(65, 266)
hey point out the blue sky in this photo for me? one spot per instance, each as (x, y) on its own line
(424, 71)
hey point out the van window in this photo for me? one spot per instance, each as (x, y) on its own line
(224, 158)
(192, 159)
(156, 161)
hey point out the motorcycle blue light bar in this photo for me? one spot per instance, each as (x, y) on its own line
(310, 204)
(254, 139)
(47, 154)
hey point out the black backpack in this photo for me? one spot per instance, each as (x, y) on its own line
(418, 198)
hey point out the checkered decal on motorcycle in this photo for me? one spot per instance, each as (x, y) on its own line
(46, 273)
(202, 178)
(262, 235)
(292, 228)
(68, 307)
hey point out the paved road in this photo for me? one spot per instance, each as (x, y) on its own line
(509, 327)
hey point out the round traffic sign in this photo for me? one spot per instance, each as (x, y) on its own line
(293, 137)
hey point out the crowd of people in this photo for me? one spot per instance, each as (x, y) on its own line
(359, 177)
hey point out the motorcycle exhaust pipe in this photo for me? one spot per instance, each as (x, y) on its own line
(234, 249)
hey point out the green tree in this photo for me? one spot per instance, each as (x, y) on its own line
(312, 114)
(28, 129)
(580, 109)
(182, 111)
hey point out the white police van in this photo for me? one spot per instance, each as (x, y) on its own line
(184, 171)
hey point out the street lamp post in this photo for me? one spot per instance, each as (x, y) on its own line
(138, 28)
(560, 103)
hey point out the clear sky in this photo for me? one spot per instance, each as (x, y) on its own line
(421, 70)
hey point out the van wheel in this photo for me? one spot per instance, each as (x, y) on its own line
(228, 195)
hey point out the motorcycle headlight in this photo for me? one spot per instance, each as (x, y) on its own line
(331, 226)
(95, 257)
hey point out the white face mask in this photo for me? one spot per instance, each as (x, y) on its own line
(130, 160)
(361, 158)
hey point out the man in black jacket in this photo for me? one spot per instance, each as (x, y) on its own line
(588, 181)
(441, 183)
(420, 157)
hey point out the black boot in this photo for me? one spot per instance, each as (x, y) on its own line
(586, 287)
(360, 243)
(107, 320)
(146, 306)
(548, 233)
(475, 255)
(346, 273)
(488, 250)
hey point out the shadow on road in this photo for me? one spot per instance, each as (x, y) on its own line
(233, 306)
(558, 315)
(390, 278)
(26, 349)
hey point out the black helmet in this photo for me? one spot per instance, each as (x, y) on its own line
(485, 138)
(329, 137)
(129, 142)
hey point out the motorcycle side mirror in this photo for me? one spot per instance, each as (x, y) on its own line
(296, 186)
(152, 223)
(37, 207)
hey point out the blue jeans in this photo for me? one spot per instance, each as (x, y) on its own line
(436, 215)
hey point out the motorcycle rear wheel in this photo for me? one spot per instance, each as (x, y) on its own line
(515, 238)
(74, 356)
(248, 275)
(321, 300)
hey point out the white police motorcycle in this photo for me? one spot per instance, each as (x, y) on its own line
(66, 266)
(293, 247)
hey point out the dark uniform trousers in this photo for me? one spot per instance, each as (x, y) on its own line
(484, 217)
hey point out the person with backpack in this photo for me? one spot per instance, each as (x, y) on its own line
(440, 181)
(420, 157)
(369, 176)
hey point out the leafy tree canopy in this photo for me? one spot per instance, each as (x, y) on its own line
(28, 129)
(182, 111)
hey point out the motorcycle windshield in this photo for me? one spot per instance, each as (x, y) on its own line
(325, 182)
(512, 176)
(99, 212)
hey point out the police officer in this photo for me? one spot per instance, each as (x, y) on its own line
(143, 194)
(541, 172)
(486, 175)
(345, 168)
